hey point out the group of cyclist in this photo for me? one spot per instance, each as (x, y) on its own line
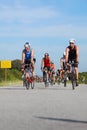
(71, 54)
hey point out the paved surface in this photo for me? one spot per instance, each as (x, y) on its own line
(52, 108)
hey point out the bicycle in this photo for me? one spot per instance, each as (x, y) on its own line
(58, 79)
(65, 76)
(28, 79)
(73, 74)
(45, 77)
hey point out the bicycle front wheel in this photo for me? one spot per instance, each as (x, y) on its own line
(33, 85)
(27, 84)
(65, 82)
(73, 85)
(46, 84)
(73, 81)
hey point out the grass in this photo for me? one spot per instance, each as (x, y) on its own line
(13, 77)
(10, 83)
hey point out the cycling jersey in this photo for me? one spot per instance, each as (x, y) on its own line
(46, 62)
(72, 53)
(27, 55)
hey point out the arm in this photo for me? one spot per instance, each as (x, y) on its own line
(50, 61)
(32, 55)
(77, 54)
(42, 63)
(23, 57)
(67, 54)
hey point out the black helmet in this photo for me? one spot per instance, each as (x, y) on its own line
(46, 54)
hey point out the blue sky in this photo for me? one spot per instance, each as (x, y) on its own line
(46, 24)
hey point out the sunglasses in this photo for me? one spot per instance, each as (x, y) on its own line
(71, 43)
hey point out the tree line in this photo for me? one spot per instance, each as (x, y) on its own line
(14, 73)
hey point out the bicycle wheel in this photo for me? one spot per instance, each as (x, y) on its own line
(24, 80)
(65, 78)
(65, 82)
(23, 83)
(73, 85)
(73, 80)
(27, 84)
(46, 84)
(50, 81)
(58, 80)
(32, 85)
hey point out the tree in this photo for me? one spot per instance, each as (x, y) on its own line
(16, 64)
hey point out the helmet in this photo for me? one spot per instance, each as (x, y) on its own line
(72, 41)
(27, 44)
(46, 54)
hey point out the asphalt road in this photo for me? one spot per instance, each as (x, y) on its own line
(52, 108)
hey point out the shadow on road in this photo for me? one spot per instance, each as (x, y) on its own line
(61, 119)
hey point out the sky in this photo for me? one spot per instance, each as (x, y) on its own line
(47, 24)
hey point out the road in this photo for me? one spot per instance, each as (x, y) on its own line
(52, 108)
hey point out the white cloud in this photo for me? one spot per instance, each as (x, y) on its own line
(24, 14)
(20, 20)
(46, 31)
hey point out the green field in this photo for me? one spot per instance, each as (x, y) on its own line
(10, 76)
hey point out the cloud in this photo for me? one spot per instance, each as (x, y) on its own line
(24, 14)
(46, 31)
(19, 20)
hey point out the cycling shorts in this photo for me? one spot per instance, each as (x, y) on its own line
(75, 63)
(48, 68)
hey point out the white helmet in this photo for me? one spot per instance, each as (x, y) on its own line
(27, 44)
(72, 41)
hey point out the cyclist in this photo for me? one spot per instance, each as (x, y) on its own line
(45, 63)
(62, 61)
(28, 57)
(59, 75)
(72, 54)
(53, 69)
(62, 65)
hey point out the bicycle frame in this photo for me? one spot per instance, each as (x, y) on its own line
(28, 80)
(65, 77)
(46, 77)
(73, 75)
